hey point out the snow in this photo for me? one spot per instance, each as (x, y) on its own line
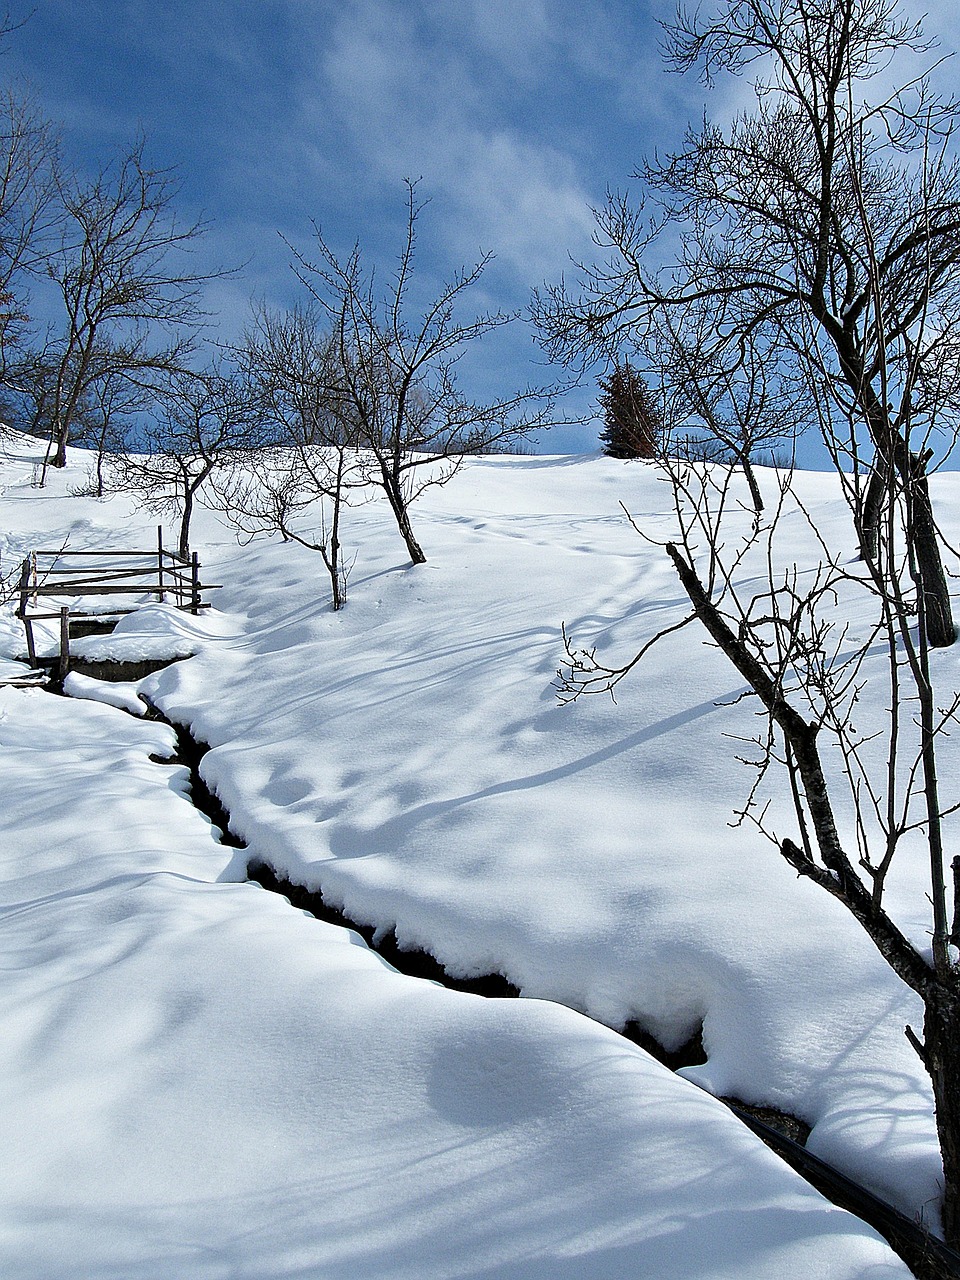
(10, 669)
(118, 693)
(202, 1081)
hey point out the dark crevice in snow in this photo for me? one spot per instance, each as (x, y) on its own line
(782, 1122)
(689, 1054)
(926, 1256)
(109, 670)
(189, 753)
(420, 964)
(416, 964)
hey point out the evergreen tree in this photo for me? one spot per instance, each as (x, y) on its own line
(632, 424)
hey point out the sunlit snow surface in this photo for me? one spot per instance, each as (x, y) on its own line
(201, 1081)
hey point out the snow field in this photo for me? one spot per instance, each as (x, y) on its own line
(408, 756)
(201, 1081)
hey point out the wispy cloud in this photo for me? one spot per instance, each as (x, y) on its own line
(442, 92)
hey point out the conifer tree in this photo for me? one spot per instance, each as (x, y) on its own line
(631, 422)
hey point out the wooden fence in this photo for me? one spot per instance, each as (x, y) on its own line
(49, 577)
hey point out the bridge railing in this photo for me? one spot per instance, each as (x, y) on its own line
(120, 579)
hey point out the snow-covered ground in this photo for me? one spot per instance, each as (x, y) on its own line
(200, 1081)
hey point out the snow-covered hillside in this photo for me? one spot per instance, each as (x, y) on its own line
(201, 1081)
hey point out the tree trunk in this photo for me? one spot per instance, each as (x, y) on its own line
(922, 532)
(416, 552)
(755, 495)
(941, 1044)
(331, 558)
(868, 518)
(100, 453)
(337, 580)
(924, 543)
(398, 504)
(336, 592)
(922, 537)
(893, 452)
(184, 543)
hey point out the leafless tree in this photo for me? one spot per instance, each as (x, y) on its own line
(791, 221)
(293, 360)
(301, 483)
(396, 378)
(737, 411)
(206, 420)
(28, 161)
(130, 299)
(113, 408)
(862, 775)
(298, 490)
(104, 416)
(839, 225)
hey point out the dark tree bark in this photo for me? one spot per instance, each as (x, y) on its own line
(393, 488)
(941, 1038)
(868, 517)
(938, 984)
(925, 546)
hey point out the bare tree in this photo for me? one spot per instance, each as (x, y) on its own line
(397, 379)
(206, 419)
(28, 163)
(300, 484)
(735, 412)
(130, 300)
(862, 284)
(293, 360)
(300, 491)
(792, 220)
(104, 416)
(861, 775)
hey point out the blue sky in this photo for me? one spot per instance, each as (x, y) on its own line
(516, 114)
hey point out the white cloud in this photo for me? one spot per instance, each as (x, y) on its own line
(518, 34)
(427, 94)
(520, 199)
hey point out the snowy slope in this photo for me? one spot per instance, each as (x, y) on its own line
(407, 755)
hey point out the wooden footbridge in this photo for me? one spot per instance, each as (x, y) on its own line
(86, 592)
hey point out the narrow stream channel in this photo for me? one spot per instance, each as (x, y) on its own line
(927, 1256)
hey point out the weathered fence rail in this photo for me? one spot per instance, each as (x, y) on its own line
(48, 578)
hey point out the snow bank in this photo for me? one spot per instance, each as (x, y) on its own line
(408, 756)
(200, 1081)
(120, 693)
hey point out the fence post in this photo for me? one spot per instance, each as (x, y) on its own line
(24, 585)
(195, 583)
(64, 640)
(24, 601)
(160, 562)
(31, 644)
